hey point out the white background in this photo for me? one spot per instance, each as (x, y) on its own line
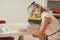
(14, 11)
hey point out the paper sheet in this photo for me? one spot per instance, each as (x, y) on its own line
(12, 28)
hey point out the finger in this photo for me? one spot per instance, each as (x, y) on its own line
(29, 27)
(23, 30)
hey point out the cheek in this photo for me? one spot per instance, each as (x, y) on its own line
(29, 12)
(38, 10)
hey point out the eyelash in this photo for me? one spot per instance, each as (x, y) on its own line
(33, 11)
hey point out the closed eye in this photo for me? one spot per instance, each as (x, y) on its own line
(33, 10)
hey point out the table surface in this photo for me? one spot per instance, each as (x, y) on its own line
(11, 29)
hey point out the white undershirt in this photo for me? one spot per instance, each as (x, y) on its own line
(54, 26)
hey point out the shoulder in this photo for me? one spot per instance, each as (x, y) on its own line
(46, 14)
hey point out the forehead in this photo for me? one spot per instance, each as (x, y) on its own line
(33, 8)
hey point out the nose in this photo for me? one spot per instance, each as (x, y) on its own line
(35, 13)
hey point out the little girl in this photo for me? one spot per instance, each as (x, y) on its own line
(50, 25)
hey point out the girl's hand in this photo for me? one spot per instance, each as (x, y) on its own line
(23, 30)
(30, 31)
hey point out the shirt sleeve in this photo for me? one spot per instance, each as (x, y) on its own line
(46, 14)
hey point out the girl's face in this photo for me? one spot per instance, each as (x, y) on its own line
(34, 11)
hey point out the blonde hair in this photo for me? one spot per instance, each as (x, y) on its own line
(37, 6)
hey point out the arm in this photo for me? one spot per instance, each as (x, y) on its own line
(45, 22)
